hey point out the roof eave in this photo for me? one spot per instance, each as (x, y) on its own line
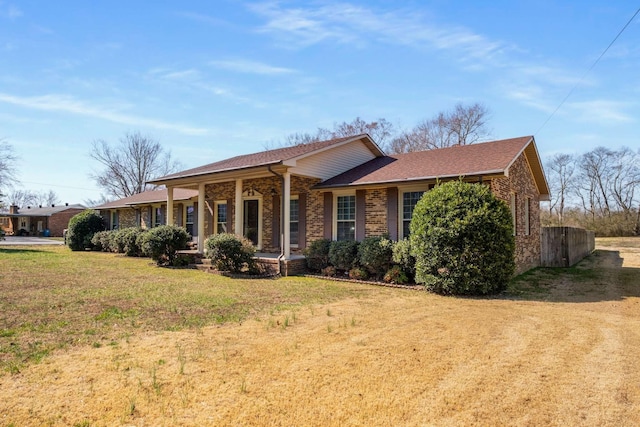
(496, 172)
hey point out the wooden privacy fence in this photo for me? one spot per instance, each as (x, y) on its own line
(565, 246)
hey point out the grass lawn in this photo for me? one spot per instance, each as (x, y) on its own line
(93, 339)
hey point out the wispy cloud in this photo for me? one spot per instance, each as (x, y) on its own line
(601, 111)
(350, 24)
(194, 79)
(251, 67)
(10, 11)
(68, 104)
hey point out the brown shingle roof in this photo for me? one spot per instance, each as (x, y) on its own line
(263, 158)
(468, 160)
(147, 197)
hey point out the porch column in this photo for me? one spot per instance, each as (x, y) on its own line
(238, 208)
(169, 205)
(287, 214)
(201, 218)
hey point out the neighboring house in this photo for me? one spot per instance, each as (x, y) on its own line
(40, 221)
(149, 209)
(348, 188)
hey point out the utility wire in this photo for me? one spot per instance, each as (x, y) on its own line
(587, 72)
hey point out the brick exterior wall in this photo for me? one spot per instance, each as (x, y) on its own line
(59, 221)
(520, 182)
(376, 212)
(315, 216)
(267, 188)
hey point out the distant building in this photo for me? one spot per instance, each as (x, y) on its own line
(40, 221)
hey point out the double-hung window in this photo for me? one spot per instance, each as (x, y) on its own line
(409, 201)
(346, 218)
(294, 217)
(221, 217)
(188, 221)
(159, 217)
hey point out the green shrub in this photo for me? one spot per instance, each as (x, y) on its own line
(462, 239)
(317, 254)
(374, 254)
(343, 255)
(403, 258)
(396, 275)
(358, 273)
(129, 241)
(117, 241)
(81, 229)
(101, 241)
(229, 252)
(163, 243)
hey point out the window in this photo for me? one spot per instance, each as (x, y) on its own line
(294, 221)
(514, 217)
(158, 216)
(527, 212)
(221, 217)
(409, 201)
(114, 220)
(346, 218)
(188, 221)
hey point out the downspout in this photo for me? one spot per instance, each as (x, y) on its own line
(281, 256)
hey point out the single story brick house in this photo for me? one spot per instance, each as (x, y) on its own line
(348, 188)
(39, 221)
(149, 209)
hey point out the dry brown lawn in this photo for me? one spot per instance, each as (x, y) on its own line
(561, 348)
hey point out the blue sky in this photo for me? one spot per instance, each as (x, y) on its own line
(214, 79)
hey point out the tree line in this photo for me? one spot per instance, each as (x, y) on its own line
(595, 190)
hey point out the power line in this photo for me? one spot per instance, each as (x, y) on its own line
(587, 72)
(60, 186)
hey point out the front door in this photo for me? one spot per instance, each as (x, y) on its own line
(251, 218)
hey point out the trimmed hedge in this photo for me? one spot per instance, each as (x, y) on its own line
(81, 229)
(229, 252)
(374, 254)
(163, 243)
(343, 254)
(462, 239)
(317, 254)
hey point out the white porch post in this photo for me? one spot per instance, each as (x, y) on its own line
(238, 208)
(287, 214)
(169, 205)
(201, 218)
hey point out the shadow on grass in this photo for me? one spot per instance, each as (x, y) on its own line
(9, 250)
(599, 277)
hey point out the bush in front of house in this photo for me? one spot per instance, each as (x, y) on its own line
(358, 273)
(129, 241)
(374, 254)
(229, 252)
(82, 228)
(343, 254)
(101, 241)
(462, 239)
(163, 243)
(396, 275)
(403, 259)
(317, 254)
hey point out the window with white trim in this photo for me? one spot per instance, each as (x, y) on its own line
(188, 218)
(346, 217)
(114, 220)
(221, 217)
(294, 220)
(409, 201)
(158, 217)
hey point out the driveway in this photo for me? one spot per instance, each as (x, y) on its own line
(28, 241)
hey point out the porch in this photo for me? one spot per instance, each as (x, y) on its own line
(295, 265)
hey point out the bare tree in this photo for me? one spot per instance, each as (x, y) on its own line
(462, 125)
(560, 169)
(95, 202)
(7, 165)
(48, 198)
(23, 198)
(129, 165)
(380, 131)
